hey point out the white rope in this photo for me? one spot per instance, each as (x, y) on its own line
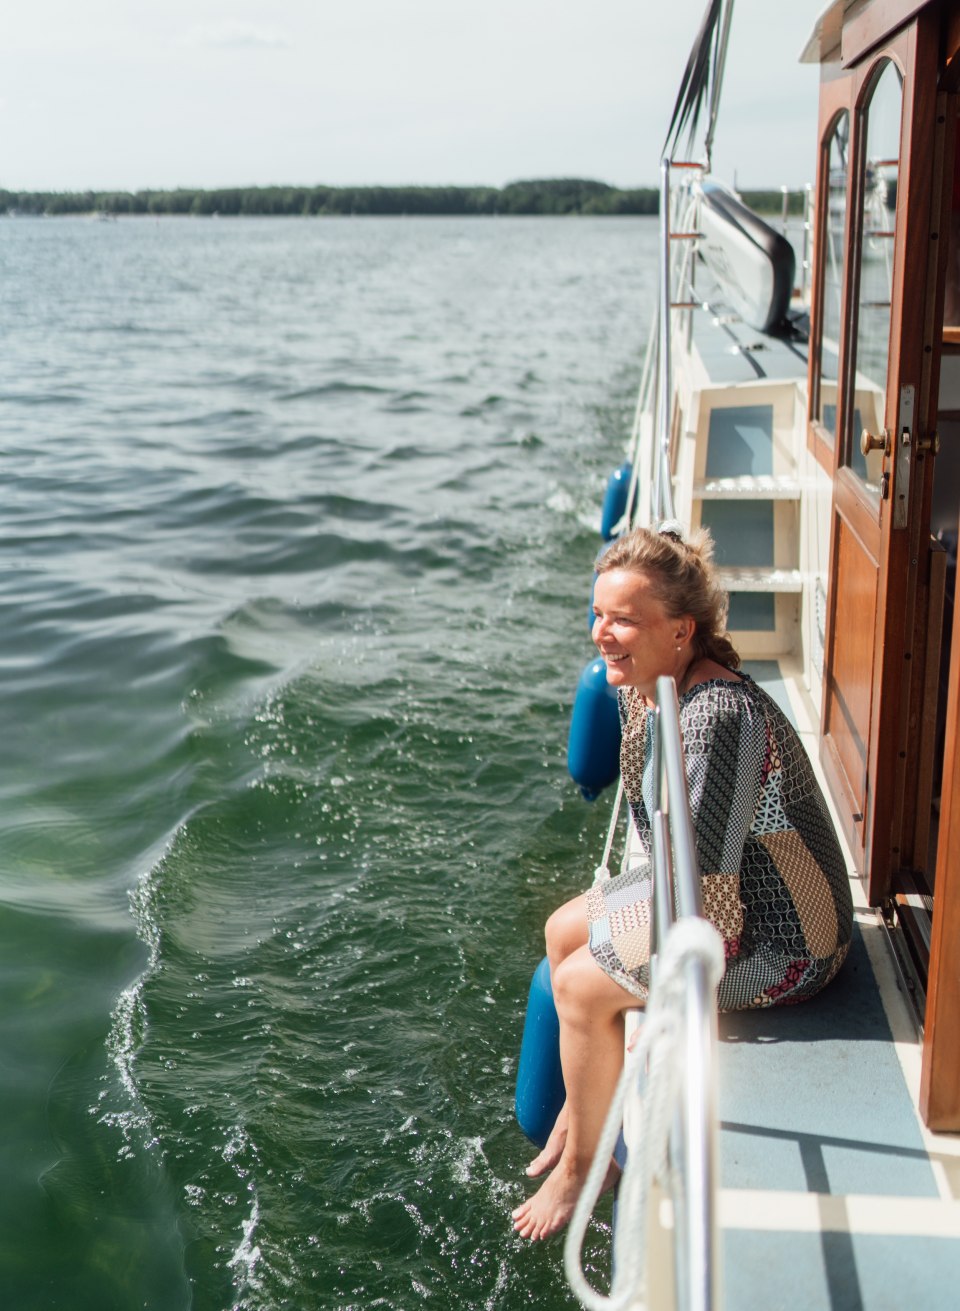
(603, 869)
(653, 1073)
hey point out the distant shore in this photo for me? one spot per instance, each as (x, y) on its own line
(559, 196)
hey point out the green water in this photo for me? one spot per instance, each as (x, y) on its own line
(297, 536)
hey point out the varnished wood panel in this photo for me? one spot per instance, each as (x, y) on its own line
(874, 24)
(851, 821)
(877, 691)
(872, 672)
(849, 682)
(940, 1077)
(923, 712)
(859, 510)
(903, 555)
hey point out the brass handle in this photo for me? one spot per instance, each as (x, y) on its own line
(870, 442)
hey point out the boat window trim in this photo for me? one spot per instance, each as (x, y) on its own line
(869, 80)
(822, 444)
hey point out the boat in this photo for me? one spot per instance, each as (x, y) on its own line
(801, 397)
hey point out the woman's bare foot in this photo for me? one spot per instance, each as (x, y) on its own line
(550, 1208)
(553, 1148)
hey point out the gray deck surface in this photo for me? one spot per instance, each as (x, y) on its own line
(728, 347)
(767, 674)
(840, 1272)
(813, 1100)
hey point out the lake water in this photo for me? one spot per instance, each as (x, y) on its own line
(297, 527)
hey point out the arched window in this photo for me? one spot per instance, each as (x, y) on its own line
(879, 167)
(836, 171)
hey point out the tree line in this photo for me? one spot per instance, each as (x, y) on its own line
(544, 196)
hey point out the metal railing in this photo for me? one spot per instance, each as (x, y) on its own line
(676, 302)
(650, 495)
(676, 896)
(679, 231)
(665, 1100)
(662, 490)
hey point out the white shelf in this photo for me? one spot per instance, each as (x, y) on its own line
(761, 580)
(766, 487)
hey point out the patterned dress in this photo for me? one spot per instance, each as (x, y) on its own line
(773, 877)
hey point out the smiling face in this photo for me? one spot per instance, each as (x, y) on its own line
(636, 637)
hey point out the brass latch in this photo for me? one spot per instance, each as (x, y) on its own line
(928, 445)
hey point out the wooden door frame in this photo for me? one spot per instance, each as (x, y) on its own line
(874, 833)
(940, 1067)
(935, 98)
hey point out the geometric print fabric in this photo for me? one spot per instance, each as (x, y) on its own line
(774, 882)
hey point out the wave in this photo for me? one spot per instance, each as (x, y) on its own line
(210, 419)
(41, 398)
(335, 390)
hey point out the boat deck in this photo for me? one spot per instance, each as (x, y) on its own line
(834, 1197)
(732, 352)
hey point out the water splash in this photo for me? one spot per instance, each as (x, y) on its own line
(244, 1261)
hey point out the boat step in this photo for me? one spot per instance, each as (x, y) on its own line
(762, 487)
(761, 580)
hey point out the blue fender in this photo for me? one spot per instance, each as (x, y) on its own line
(593, 746)
(615, 500)
(540, 1089)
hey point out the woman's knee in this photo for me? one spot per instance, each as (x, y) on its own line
(582, 991)
(566, 930)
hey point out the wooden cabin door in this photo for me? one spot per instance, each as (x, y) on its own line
(878, 537)
(940, 1071)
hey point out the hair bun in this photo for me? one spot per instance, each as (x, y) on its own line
(671, 528)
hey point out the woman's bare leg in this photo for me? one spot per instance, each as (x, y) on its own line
(552, 1148)
(565, 931)
(591, 1009)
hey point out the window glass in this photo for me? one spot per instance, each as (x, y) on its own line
(878, 191)
(834, 250)
(951, 308)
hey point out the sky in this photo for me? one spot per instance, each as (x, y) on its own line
(132, 94)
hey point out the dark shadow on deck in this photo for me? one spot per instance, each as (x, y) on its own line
(849, 1009)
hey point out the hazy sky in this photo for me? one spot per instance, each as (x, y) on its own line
(202, 93)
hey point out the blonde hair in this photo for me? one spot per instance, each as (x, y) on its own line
(683, 579)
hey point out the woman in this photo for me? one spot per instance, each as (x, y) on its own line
(773, 878)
